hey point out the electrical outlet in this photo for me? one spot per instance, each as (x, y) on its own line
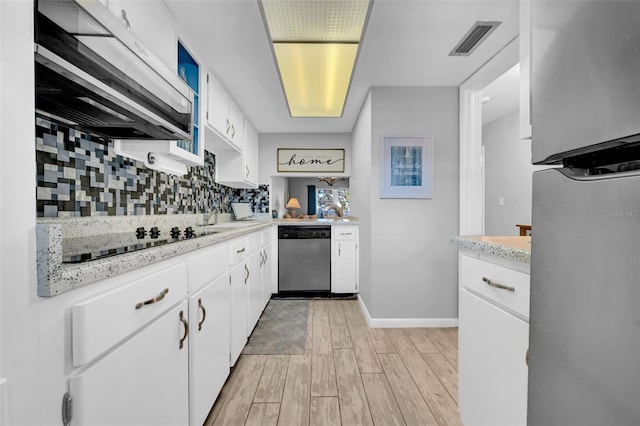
(501, 201)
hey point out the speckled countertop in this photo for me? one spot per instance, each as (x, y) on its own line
(56, 277)
(507, 247)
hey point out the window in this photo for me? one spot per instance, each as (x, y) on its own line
(328, 198)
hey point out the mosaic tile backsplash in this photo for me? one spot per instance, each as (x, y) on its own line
(79, 175)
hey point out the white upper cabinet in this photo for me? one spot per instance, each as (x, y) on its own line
(153, 24)
(145, 19)
(240, 170)
(250, 154)
(224, 119)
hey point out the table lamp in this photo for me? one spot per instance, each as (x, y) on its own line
(293, 204)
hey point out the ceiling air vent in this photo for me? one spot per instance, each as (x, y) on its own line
(478, 32)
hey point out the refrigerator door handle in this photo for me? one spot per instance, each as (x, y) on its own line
(496, 285)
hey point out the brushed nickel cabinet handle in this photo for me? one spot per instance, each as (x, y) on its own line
(240, 251)
(527, 357)
(153, 300)
(247, 277)
(186, 329)
(496, 285)
(204, 314)
(228, 126)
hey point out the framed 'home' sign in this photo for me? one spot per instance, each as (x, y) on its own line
(311, 160)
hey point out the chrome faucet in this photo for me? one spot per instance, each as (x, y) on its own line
(207, 216)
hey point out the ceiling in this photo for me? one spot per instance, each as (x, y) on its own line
(406, 43)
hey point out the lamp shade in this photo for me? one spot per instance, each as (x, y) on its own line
(293, 203)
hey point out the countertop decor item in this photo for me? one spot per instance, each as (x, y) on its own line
(331, 180)
(406, 165)
(293, 204)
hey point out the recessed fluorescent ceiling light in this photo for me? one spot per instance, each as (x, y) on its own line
(315, 44)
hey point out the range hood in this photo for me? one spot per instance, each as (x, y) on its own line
(93, 74)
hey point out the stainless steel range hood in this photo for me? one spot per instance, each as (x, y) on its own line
(93, 74)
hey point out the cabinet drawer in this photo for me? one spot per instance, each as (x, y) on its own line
(344, 232)
(207, 264)
(477, 276)
(238, 249)
(102, 321)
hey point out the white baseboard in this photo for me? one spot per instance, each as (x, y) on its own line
(405, 322)
(3, 403)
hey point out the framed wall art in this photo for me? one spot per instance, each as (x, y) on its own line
(311, 160)
(406, 167)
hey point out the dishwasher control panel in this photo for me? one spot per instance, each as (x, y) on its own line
(303, 232)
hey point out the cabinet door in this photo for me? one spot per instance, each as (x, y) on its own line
(255, 289)
(144, 381)
(250, 153)
(218, 106)
(492, 368)
(239, 309)
(208, 347)
(345, 266)
(236, 129)
(267, 270)
(145, 19)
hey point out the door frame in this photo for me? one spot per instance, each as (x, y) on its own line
(471, 160)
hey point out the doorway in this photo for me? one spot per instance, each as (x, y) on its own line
(471, 157)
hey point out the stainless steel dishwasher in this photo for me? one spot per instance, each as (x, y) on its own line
(304, 259)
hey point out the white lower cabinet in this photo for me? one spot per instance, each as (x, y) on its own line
(344, 259)
(239, 309)
(156, 350)
(266, 267)
(208, 347)
(493, 343)
(142, 382)
(254, 284)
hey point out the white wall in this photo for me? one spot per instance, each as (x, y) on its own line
(19, 309)
(270, 142)
(507, 174)
(360, 184)
(278, 194)
(414, 268)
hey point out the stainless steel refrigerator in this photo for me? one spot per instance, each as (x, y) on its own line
(584, 342)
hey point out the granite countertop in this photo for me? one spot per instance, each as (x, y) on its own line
(56, 277)
(507, 247)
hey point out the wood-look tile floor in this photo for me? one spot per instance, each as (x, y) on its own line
(350, 374)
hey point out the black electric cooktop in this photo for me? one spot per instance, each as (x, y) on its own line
(85, 249)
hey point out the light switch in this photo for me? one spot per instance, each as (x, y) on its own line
(501, 201)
